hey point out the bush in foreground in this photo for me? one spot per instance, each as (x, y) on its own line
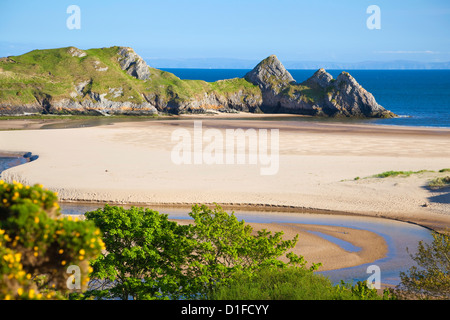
(227, 246)
(145, 255)
(37, 245)
(430, 279)
(149, 257)
(291, 283)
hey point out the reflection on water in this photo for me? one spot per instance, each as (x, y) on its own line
(398, 236)
(342, 243)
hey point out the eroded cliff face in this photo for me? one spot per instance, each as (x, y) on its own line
(133, 64)
(320, 95)
(117, 80)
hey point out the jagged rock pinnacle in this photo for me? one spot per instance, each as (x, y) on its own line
(269, 73)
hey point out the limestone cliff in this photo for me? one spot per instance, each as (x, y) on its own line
(319, 95)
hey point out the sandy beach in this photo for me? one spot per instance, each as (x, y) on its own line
(132, 162)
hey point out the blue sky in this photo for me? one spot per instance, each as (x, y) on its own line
(320, 30)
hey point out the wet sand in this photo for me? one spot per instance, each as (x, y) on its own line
(315, 249)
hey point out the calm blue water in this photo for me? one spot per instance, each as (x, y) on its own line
(420, 97)
(7, 162)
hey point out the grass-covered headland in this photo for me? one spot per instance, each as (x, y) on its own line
(116, 80)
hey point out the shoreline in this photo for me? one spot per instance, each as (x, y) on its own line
(24, 123)
(262, 208)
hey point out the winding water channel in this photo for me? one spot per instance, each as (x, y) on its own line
(398, 235)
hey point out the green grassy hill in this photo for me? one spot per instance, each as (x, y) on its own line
(75, 75)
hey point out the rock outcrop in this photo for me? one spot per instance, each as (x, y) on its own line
(348, 98)
(133, 64)
(270, 74)
(320, 95)
(320, 78)
(75, 52)
(99, 104)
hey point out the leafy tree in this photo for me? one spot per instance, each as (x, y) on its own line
(149, 257)
(145, 254)
(37, 244)
(227, 246)
(431, 278)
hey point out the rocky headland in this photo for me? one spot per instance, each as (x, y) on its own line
(116, 80)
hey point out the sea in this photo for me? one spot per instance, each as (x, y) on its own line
(418, 97)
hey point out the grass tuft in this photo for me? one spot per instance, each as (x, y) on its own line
(398, 173)
(440, 182)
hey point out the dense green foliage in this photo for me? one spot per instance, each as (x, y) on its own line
(430, 279)
(227, 246)
(291, 284)
(145, 254)
(149, 257)
(37, 245)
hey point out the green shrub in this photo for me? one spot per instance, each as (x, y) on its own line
(149, 257)
(145, 253)
(42, 243)
(227, 246)
(290, 283)
(430, 279)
